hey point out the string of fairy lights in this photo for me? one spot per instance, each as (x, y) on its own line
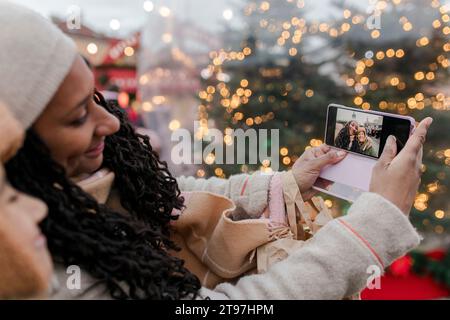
(293, 32)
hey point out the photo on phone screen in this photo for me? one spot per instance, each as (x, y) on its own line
(363, 132)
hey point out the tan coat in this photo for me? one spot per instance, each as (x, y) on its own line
(223, 246)
(219, 240)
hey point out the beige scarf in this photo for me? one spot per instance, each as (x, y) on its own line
(214, 245)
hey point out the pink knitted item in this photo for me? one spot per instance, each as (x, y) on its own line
(277, 212)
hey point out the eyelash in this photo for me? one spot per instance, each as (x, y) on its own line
(13, 198)
(82, 120)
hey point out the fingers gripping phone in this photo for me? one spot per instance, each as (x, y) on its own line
(363, 135)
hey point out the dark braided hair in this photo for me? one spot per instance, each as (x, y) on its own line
(112, 247)
(343, 139)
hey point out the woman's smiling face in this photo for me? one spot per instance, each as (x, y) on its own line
(353, 128)
(361, 135)
(73, 126)
(25, 263)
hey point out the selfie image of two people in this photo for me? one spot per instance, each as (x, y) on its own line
(358, 132)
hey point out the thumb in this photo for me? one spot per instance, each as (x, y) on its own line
(389, 151)
(330, 157)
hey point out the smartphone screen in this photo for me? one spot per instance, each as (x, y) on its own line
(364, 132)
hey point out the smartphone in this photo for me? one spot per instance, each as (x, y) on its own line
(365, 132)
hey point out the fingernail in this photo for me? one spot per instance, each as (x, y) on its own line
(392, 139)
(341, 153)
(430, 121)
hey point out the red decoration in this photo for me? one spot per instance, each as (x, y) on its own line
(123, 99)
(437, 255)
(399, 283)
(401, 267)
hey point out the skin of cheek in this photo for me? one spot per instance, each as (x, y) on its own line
(73, 146)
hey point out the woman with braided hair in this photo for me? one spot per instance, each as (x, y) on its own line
(347, 137)
(117, 213)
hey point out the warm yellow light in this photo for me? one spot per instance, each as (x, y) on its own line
(422, 42)
(284, 151)
(158, 99)
(210, 89)
(244, 83)
(439, 214)
(380, 55)
(174, 125)
(328, 203)
(286, 161)
(315, 142)
(347, 13)
(92, 48)
(359, 70)
(364, 81)
(446, 47)
(375, 34)
(309, 93)
(218, 171)
(423, 197)
(400, 53)
(419, 75)
(447, 153)
(350, 82)
(345, 27)
(394, 81)
(265, 6)
(200, 173)
(358, 101)
(421, 206)
(292, 51)
(167, 38)
(210, 158)
(436, 24)
(432, 187)
(147, 106)
(365, 106)
(128, 51)
(407, 26)
(164, 12)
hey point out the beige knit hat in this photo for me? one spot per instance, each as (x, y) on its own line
(35, 57)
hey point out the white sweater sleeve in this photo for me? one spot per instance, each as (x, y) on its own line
(249, 192)
(334, 263)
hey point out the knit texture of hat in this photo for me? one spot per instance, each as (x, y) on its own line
(35, 57)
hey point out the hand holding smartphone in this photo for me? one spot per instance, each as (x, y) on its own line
(363, 135)
(365, 132)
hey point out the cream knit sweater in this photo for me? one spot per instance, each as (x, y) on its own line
(333, 265)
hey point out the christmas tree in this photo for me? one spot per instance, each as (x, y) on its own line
(273, 74)
(398, 61)
(264, 78)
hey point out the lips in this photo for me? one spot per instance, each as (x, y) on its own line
(40, 241)
(95, 151)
